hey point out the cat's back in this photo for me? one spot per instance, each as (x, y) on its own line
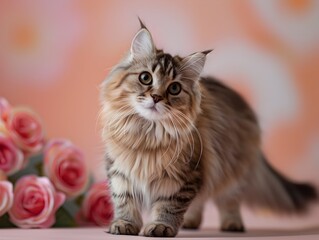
(226, 100)
(231, 134)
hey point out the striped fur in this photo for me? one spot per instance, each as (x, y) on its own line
(172, 155)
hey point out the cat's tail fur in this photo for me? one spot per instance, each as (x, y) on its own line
(270, 189)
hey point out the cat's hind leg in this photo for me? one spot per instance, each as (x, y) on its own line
(194, 213)
(229, 215)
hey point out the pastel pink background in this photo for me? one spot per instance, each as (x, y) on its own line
(54, 55)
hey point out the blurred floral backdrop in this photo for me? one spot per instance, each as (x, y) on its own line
(54, 55)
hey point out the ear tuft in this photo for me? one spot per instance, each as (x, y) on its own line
(207, 51)
(193, 65)
(141, 23)
(142, 44)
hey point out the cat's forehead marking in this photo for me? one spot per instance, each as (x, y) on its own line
(165, 64)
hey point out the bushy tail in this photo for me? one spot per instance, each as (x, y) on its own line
(270, 189)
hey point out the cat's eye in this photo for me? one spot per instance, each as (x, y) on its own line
(145, 78)
(174, 88)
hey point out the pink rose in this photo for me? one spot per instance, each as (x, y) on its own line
(25, 129)
(5, 108)
(35, 202)
(64, 164)
(97, 205)
(6, 196)
(11, 158)
(3, 176)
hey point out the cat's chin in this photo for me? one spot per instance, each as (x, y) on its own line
(151, 114)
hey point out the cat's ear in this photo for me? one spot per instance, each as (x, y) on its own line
(142, 45)
(192, 65)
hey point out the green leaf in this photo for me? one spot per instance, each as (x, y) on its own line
(34, 167)
(91, 181)
(5, 222)
(39, 168)
(71, 207)
(36, 162)
(36, 159)
(64, 219)
(29, 170)
(79, 200)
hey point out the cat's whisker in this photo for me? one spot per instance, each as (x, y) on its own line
(176, 151)
(121, 129)
(198, 134)
(190, 140)
(168, 146)
(178, 142)
(119, 114)
(108, 68)
(127, 121)
(176, 146)
(116, 117)
(174, 159)
(100, 116)
(98, 119)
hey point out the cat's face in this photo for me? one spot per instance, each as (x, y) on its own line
(154, 85)
(156, 88)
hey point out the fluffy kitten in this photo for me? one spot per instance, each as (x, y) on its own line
(174, 140)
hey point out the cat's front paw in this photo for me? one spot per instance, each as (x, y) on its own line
(122, 227)
(159, 230)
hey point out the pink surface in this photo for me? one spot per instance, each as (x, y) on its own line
(259, 226)
(96, 233)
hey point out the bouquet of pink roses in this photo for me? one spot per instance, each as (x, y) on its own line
(43, 183)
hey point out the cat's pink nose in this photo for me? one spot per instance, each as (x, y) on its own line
(156, 98)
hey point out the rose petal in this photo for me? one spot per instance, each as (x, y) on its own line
(64, 164)
(35, 203)
(25, 129)
(5, 108)
(6, 196)
(11, 158)
(97, 206)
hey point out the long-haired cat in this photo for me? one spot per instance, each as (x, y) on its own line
(175, 139)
